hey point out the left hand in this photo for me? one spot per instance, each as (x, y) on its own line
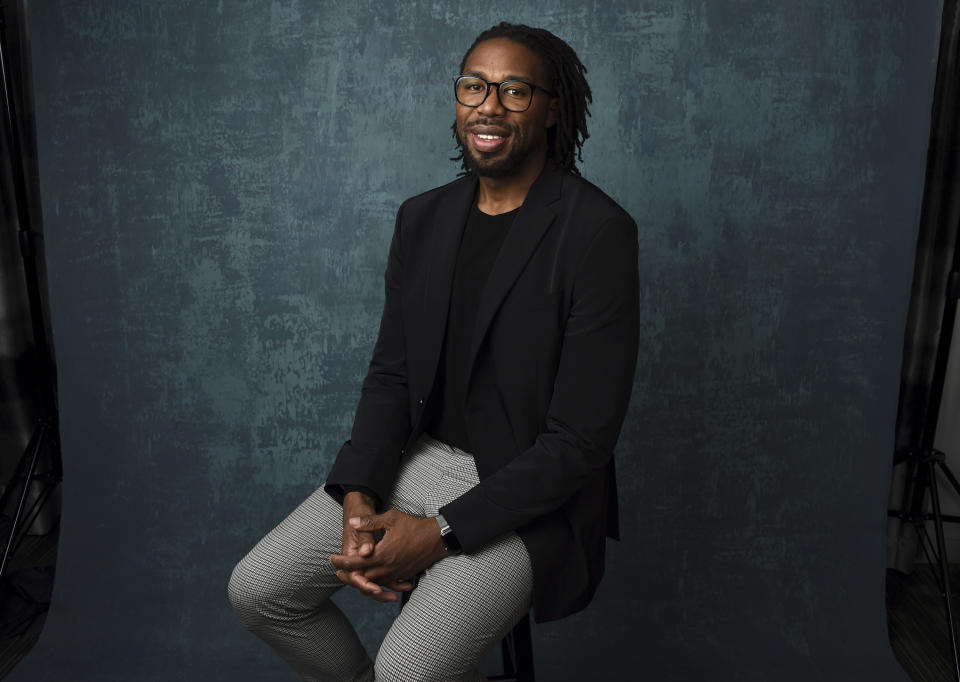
(360, 543)
(410, 544)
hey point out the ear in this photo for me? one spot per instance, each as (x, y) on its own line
(552, 111)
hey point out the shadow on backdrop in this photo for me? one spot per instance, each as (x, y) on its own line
(219, 184)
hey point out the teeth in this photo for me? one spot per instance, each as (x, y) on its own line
(488, 137)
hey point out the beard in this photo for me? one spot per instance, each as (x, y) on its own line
(496, 165)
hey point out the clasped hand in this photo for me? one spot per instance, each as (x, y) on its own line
(385, 550)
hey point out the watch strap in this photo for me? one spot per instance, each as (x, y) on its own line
(448, 537)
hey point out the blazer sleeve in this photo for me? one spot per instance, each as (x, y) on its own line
(591, 391)
(381, 424)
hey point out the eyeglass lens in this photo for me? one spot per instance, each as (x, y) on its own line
(514, 95)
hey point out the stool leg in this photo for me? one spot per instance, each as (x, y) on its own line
(523, 649)
(508, 653)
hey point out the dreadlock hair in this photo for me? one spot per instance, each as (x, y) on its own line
(564, 139)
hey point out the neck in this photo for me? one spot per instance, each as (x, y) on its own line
(503, 194)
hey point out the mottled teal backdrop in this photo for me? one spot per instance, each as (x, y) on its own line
(220, 181)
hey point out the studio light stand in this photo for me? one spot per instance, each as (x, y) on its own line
(928, 466)
(28, 475)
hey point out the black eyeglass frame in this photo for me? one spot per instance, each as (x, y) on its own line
(533, 91)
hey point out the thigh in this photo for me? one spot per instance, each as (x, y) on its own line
(418, 474)
(461, 608)
(296, 553)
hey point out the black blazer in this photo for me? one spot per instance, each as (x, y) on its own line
(552, 363)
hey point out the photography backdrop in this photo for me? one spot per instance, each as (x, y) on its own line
(219, 186)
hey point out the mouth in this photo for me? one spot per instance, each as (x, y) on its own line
(488, 140)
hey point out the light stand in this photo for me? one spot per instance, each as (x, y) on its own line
(44, 438)
(926, 462)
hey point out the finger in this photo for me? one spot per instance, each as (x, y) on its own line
(374, 570)
(344, 577)
(382, 575)
(364, 583)
(370, 584)
(367, 588)
(366, 523)
(384, 597)
(349, 563)
(357, 542)
(366, 543)
(357, 579)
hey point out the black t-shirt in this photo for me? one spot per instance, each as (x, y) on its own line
(482, 238)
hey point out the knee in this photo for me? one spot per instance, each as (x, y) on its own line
(255, 595)
(243, 594)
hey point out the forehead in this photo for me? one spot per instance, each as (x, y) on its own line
(501, 58)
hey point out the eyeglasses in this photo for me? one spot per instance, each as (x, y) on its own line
(513, 95)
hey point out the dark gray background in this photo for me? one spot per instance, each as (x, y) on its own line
(219, 183)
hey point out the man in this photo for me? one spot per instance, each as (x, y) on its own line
(487, 421)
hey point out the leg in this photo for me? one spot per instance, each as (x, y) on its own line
(281, 591)
(463, 605)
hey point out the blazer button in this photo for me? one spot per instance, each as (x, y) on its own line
(420, 402)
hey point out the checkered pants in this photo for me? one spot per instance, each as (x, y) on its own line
(461, 608)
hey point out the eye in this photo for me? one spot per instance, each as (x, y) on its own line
(517, 90)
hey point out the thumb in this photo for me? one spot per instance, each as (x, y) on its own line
(366, 522)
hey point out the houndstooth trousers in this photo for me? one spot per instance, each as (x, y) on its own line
(460, 609)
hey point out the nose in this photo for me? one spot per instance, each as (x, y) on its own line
(491, 105)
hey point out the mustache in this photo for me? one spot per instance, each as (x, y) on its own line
(491, 126)
(498, 125)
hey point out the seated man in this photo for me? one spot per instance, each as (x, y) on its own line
(481, 451)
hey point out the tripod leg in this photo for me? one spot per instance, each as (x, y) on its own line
(945, 470)
(944, 565)
(23, 497)
(917, 493)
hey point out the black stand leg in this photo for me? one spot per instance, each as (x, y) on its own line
(931, 471)
(926, 463)
(24, 518)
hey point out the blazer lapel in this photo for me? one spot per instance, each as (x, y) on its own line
(531, 223)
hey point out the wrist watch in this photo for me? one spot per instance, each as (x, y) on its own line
(448, 537)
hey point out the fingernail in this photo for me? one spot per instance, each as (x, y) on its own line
(355, 521)
(365, 547)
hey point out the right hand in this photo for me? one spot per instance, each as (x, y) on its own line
(361, 543)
